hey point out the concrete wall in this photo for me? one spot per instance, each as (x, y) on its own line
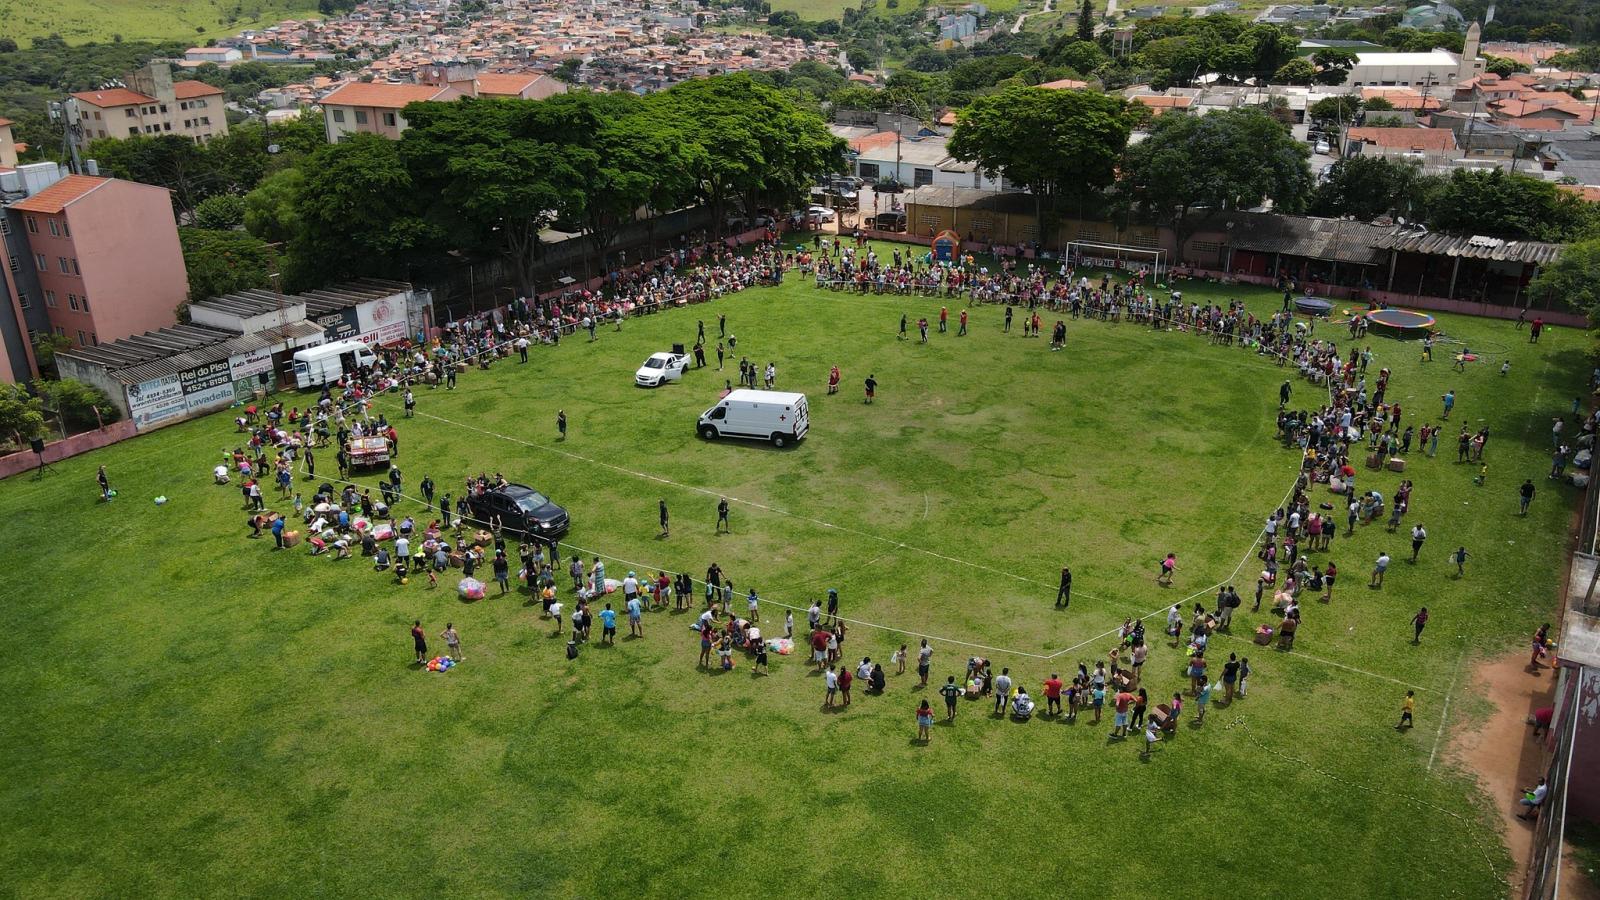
(56, 451)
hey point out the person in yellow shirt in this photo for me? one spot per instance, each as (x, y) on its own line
(1407, 707)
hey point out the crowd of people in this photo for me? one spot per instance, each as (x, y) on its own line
(1350, 419)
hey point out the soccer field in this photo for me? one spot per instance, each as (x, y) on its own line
(191, 713)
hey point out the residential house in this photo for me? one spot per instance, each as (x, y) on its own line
(374, 108)
(151, 104)
(221, 56)
(1438, 144)
(104, 254)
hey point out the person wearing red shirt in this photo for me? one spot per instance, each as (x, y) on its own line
(1052, 695)
(1122, 701)
(819, 648)
(845, 678)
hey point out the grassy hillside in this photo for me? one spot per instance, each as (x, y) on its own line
(80, 21)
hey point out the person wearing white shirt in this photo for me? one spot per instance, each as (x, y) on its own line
(1533, 799)
(555, 613)
(864, 671)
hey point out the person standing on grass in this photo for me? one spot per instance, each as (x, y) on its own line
(1002, 691)
(722, 516)
(1449, 401)
(1419, 622)
(846, 678)
(833, 380)
(452, 640)
(1120, 705)
(419, 641)
(872, 387)
(924, 721)
(819, 647)
(899, 660)
(663, 517)
(1525, 495)
(1064, 591)
(1202, 699)
(608, 625)
(502, 571)
(1418, 535)
(104, 481)
(950, 691)
(555, 615)
(961, 331)
(1230, 677)
(1408, 706)
(833, 605)
(635, 618)
(1007, 328)
(1378, 569)
(1152, 734)
(924, 660)
(830, 680)
(561, 424)
(922, 329)
(1052, 695)
(1168, 566)
(902, 326)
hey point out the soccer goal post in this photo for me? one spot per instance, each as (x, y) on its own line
(1119, 257)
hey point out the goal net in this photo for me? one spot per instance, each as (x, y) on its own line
(1118, 257)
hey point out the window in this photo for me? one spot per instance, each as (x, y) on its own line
(65, 231)
(200, 103)
(5, 224)
(102, 132)
(186, 122)
(61, 331)
(25, 303)
(163, 107)
(14, 265)
(129, 112)
(97, 114)
(94, 339)
(62, 262)
(868, 170)
(72, 301)
(33, 225)
(205, 120)
(134, 130)
(85, 301)
(54, 231)
(361, 117)
(44, 264)
(338, 116)
(86, 114)
(1205, 247)
(75, 267)
(388, 119)
(166, 126)
(50, 299)
(920, 177)
(81, 341)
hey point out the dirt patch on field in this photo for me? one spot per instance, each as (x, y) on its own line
(1502, 753)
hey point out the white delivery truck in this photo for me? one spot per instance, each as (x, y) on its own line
(774, 416)
(325, 364)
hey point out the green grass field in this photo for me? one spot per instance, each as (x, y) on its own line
(80, 21)
(190, 713)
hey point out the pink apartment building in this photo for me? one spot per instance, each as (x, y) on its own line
(106, 255)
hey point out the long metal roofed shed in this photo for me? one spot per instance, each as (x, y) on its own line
(1413, 241)
(350, 294)
(156, 354)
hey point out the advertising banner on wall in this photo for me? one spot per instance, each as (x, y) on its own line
(340, 325)
(245, 365)
(156, 400)
(206, 378)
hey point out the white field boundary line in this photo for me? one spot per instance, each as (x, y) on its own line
(1444, 712)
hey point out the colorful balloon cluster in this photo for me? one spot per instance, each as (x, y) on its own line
(441, 664)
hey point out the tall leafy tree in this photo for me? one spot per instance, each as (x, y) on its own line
(1367, 187)
(359, 213)
(221, 262)
(1506, 205)
(1192, 167)
(1086, 20)
(490, 178)
(1054, 142)
(1571, 279)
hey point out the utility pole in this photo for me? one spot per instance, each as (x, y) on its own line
(71, 130)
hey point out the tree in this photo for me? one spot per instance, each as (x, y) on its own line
(1506, 205)
(1236, 159)
(359, 213)
(1377, 104)
(1295, 71)
(223, 212)
(1086, 20)
(1571, 279)
(1083, 57)
(496, 173)
(79, 406)
(1338, 108)
(21, 414)
(1333, 64)
(45, 347)
(170, 161)
(269, 210)
(1052, 141)
(1367, 187)
(221, 262)
(568, 70)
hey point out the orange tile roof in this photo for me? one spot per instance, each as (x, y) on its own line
(1587, 192)
(188, 90)
(1535, 124)
(111, 97)
(1405, 138)
(384, 96)
(873, 141)
(5, 121)
(1064, 84)
(58, 196)
(1158, 101)
(506, 84)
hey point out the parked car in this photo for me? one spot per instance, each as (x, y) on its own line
(523, 512)
(1322, 148)
(821, 213)
(661, 368)
(890, 221)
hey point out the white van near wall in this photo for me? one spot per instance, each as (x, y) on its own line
(775, 416)
(327, 363)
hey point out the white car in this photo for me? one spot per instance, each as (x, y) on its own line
(661, 368)
(820, 213)
(1322, 148)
